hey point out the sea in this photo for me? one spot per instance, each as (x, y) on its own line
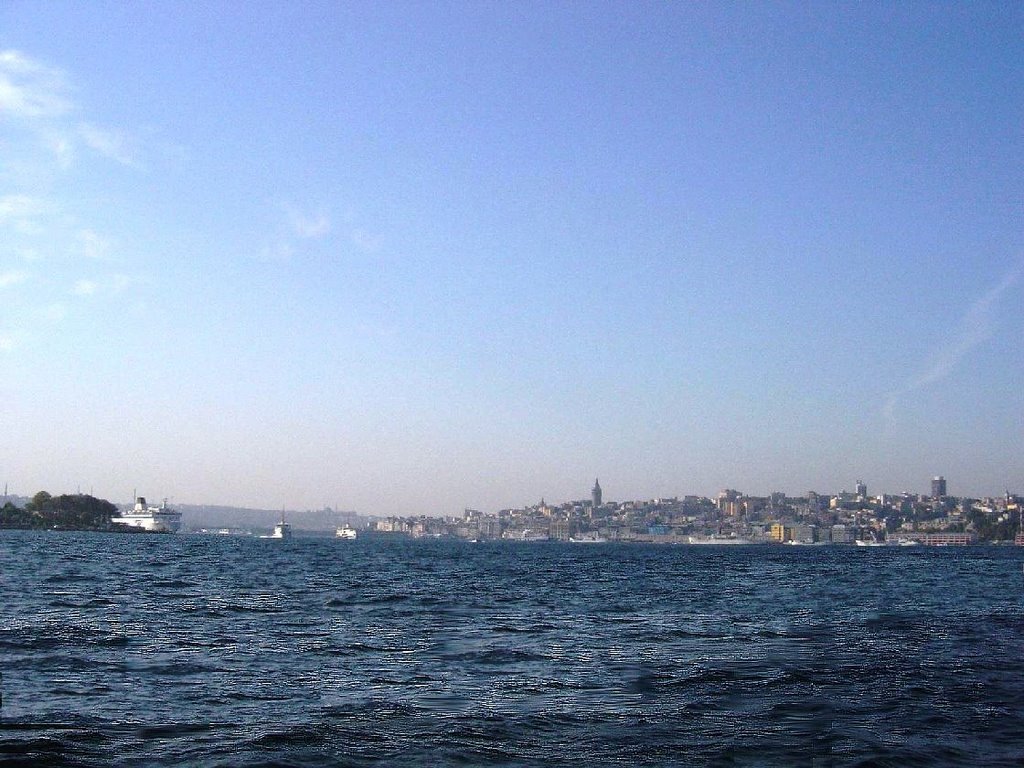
(196, 650)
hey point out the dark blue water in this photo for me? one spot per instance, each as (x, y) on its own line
(175, 650)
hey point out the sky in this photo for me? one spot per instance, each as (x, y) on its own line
(408, 258)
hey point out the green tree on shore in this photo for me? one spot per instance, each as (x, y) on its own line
(70, 511)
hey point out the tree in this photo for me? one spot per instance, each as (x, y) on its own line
(74, 511)
(15, 517)
(39, 503)
(80, 511)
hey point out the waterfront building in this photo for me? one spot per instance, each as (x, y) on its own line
(803, 533)
(733, 508)
(841, 534)
(726, 496)
(561, 530)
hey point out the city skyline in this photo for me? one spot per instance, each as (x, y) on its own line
(937, 490)
(414, 258)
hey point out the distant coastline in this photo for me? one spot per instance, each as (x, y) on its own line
(844, 518)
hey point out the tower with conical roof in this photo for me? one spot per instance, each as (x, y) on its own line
(596, 494)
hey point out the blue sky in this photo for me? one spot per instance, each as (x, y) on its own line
(408, 258)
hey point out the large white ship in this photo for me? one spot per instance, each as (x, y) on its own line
(160, 519)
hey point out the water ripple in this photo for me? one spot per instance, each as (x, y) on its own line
(178, 650)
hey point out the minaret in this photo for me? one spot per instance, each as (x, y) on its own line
(596, 494)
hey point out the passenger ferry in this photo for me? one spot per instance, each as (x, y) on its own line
(346, 532)
(160, 519)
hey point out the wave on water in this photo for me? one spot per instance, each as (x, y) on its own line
(179, 651)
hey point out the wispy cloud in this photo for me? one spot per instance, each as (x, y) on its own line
(304, 224)
(977, 326)
(6, 343)
(43, 218)
(84, 288)
(62, 148)
(23, 211)
(116, 145)
(30, 90)
(29, 254)
(121, 283)
(93, 245)
(358, 235)
(277, 252)
(54, 313)
(38, 96)
(308, 225)
(364, 240)
(8, 279)
(298, 225)
(12, 278)
(111, 285)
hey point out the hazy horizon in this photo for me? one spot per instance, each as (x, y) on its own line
(410, 258)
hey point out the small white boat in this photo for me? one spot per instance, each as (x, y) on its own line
(281, 531)
(346, 532)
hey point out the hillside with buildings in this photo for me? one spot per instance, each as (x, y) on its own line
(814, 518)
